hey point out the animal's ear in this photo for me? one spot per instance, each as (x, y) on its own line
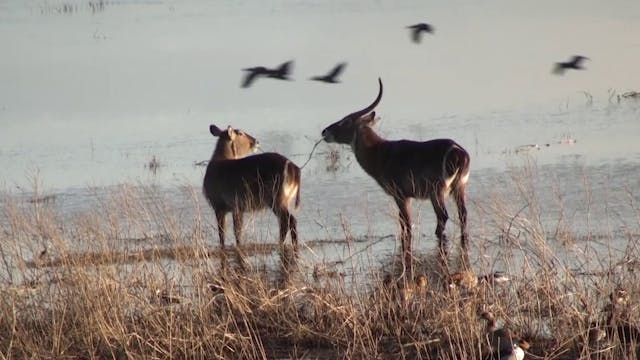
(214, 130)
(230, 132)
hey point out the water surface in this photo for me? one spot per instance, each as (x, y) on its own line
(92, 92)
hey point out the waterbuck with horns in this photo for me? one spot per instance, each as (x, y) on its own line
(407, 169)
(235, 183)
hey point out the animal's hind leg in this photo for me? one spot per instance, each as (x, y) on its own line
(462, 215)
(438, 202)
(293, 227)
(287, 222)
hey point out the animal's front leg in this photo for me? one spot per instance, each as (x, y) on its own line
(404, 207)
(237, 226)
(220, 217)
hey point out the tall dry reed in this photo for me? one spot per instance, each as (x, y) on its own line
(137, 277)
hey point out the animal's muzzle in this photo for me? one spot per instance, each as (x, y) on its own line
(327, 136)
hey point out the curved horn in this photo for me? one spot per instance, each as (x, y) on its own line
(368, 109)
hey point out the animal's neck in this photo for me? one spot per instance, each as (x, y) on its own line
(364, 145)
(491, 325)
(224, 151)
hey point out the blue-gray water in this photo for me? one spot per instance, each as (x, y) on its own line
(90, 94)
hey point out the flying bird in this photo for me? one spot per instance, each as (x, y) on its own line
(281, 72)
(332, 76)
(418, 29)
(574, 63)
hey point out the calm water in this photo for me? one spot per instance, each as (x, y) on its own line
(91, 92)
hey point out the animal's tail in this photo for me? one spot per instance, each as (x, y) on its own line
(458, 162)
(293, 176)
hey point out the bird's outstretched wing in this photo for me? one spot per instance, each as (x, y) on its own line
(285, 68)
(337, 70)
(418, 29)
(250, 77)
(578, 59)
(415, 33)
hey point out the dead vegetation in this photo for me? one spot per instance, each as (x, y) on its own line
(76, 288)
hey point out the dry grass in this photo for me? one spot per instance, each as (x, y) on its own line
(135, 279)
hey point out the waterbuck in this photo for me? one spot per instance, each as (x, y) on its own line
(235, 183)
(407, 169)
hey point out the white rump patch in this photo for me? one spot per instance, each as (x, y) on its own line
(450, 178)
(447, 183)
(289, 190)
(465, 178)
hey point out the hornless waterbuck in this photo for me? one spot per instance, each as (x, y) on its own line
(407, 169)
(235, 183)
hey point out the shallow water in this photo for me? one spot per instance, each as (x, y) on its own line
(92, 92)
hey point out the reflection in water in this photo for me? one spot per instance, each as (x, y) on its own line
(235, 262)
(288, 269)
(239, 260)
(153, 165)
(433, 267)
(431, 264)
(69, 8)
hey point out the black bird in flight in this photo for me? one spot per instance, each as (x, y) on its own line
(281, 72)
(418, 29)
(574, 63)
(332, 76)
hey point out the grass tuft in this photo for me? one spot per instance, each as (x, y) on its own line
(131, 278)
